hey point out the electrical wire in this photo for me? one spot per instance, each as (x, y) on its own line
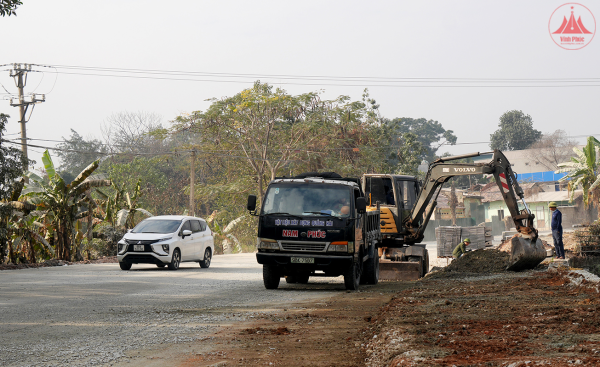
(347, 81)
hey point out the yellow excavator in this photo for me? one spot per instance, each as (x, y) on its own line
(406, 208)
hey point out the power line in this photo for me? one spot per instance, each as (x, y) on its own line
(311, 77)
(396, 82)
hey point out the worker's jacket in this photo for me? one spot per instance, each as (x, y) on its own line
(556, 223)
(459, 250)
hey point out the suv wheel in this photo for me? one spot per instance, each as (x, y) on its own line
(207, 257)
(124, 265)
(174, 264)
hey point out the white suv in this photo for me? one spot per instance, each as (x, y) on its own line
(167, 240)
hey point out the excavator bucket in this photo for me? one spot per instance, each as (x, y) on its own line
(399, 270)
(525, 254)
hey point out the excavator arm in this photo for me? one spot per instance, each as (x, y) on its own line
(440, 171)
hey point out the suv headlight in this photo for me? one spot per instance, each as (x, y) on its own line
(165, 248)
(338, 246)
(267, 244)
(121, 247)
(164, 239)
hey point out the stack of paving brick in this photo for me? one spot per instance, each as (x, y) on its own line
(488, 236)
(447, 239)
(476, 235)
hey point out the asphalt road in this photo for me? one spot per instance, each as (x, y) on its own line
(97, 314)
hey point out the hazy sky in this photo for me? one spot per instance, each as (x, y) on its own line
(333, 41)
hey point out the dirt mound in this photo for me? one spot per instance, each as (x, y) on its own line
(482, 261)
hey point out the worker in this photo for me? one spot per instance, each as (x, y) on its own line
(341, 207)
(461, 248)
(557, 231)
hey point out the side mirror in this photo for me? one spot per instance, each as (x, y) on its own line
(129, 230)
(251, 206)
(186, 232)
(361, 205)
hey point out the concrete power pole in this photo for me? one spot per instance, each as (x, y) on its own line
(19, 73)
(193, 184)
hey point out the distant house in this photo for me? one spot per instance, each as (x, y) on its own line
(525, 166)
(537, 199)
(442, 209)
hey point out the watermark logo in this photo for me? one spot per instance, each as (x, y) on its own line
(572, 26)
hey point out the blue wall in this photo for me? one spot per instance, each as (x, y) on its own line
(540, 176)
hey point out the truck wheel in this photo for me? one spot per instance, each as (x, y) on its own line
(425, 264)
(270, 277)
(352, 275)
(370, 274)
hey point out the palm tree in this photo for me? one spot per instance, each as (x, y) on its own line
(584, 170)
(62, 204)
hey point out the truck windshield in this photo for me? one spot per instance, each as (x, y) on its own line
(308, 199)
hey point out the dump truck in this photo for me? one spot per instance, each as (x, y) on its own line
(316, 224)
(405, 210)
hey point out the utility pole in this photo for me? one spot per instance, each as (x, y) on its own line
(192, 183)
(19, 74)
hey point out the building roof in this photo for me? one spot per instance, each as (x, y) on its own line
(491, 191)
(552, 196)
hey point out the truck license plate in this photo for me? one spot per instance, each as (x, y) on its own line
(138, 247)
(302, 260)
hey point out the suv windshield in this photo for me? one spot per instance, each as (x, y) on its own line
(157, 226)
(308, 199)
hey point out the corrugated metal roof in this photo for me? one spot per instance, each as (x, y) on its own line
(552, 196)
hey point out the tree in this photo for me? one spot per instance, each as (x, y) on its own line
(8, 7)
(584, 171)
(262, 125)
(62, 204)
(552, 149)
(404, 153)
(131, 132)
(431, 134)
(76, 153)
(12, 163)
(515, 132)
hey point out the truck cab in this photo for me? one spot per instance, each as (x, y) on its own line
(315, 226)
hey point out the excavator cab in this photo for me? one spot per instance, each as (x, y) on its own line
(395, 196)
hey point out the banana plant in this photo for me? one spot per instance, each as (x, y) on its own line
(62, 203)
(17, 222)
(122, 207)
(224, 234)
